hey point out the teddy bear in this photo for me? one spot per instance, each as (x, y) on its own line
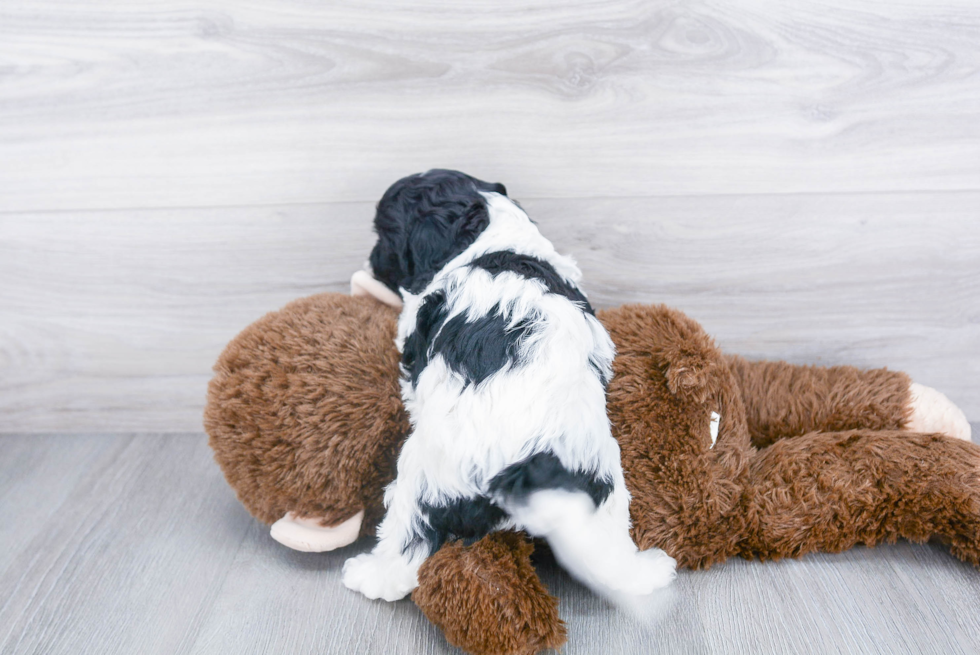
(722, 456)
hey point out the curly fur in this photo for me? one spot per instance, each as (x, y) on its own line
(467, 581)
(288, 393)
(820, 481)
(422, 222)
(783, 400)
(504, 368)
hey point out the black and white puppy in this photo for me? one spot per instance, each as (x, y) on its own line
(504, 368)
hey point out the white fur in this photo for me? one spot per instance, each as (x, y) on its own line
(592, 544)
(464, 435)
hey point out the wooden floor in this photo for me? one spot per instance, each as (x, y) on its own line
(134, 544)
(801, 177)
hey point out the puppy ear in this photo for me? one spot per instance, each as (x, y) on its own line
(423, 221)
(469, 226)
(388, 255)
(439, 236)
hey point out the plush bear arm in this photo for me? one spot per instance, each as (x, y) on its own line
(828, 492)
(689, 359)
(783, 400)
(669, 386)
(363, 283)
(488, 599)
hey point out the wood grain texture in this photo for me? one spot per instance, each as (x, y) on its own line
(869, 280)
(140, 547)
(167, 103)
(112, 320)
(803, 178)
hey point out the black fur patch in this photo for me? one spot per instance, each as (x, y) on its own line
(416, 350)
(597, 369)
(478, 349)
(532, 268)
(423, 221)
(469, 519)
(474, 350)
(545, 471)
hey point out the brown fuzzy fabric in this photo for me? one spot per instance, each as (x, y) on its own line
(668, 378)
(493, 585)
(782, 400)
(304, 412)
(831, 491)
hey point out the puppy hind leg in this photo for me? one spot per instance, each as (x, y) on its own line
(593, 544)
(390, 570)
(389, 576)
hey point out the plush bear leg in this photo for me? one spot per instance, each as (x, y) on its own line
(784, 400)
(934, 412)
(828, 492)
(488, 599)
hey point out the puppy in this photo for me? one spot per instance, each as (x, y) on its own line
(504, 368)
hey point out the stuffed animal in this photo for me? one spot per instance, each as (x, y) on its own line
(723, 457)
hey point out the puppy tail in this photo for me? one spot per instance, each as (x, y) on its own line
(593, 543)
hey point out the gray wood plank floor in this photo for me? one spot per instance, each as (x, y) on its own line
(135, 544)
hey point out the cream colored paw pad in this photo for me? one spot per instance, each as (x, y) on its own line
(363, 284)
(934, 412)
(307, 535)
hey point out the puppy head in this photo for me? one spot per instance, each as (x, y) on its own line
(423, 221)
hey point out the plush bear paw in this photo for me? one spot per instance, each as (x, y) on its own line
(376, 576)
(308, 536)
(362, 283)
(934, 412)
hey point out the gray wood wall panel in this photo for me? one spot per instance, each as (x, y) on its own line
(112, 320)
(144, 549)
(164, 103)
(801, 177)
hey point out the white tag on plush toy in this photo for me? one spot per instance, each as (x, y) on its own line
(713, 428)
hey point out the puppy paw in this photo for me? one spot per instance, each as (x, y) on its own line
(380, 577)
(651, 569)
(934, 412)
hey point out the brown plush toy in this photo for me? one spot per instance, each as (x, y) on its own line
(722, 456)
